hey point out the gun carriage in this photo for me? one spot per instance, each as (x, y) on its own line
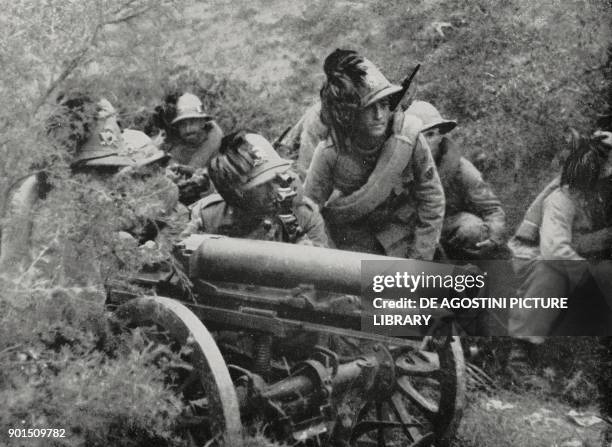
(268, 336)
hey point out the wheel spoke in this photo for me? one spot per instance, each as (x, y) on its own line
(426, 406)
(423, 363)
(402, 415)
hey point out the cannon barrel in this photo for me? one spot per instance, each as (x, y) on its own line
(278, 264)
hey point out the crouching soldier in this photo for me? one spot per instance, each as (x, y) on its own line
(193, 138)
(474, 221)
(153, 196)
(548, 246)
(259, 197)
(374, 175)
(89, 136)
(305, 136)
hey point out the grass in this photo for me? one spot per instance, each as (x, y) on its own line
(534, 421)
(516, 74)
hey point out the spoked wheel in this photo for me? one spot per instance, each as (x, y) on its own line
(202, 379)
(422, 405)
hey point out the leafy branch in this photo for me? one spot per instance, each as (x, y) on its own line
(127, 12)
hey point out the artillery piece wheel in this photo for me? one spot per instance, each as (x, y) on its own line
(205, 386)
(423, 405)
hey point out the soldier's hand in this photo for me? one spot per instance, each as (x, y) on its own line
(482, 248)
(487, 244)
(176, 171)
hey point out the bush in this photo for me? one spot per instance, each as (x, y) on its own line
(54, 346)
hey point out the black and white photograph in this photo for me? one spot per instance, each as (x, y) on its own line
(269, 223)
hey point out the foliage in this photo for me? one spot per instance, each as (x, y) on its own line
(56, 371)
(60, 363)
(47, 44)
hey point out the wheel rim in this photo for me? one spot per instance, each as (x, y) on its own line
(208, 381)
(424, 406)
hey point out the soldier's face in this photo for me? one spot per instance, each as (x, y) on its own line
(433, 137)
(374, 119)
(264, 198)
(261, 199)
(193, 130)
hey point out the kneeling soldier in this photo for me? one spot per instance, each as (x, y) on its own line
(259, 197)
(474, 221)
(374, 176)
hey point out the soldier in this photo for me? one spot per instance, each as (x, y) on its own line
(548, 252)
(305, 136)
(159, 208)
(106, 156)
(374, 175)
(90, 133)
(193, 139)
(257, 196)
(199, 136)
(474, 221)
(110, 155)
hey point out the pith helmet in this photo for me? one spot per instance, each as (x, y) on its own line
(377, 86)
(140, 148)
(246, 160)
(430, 116)
(105, 146)
(189, 106)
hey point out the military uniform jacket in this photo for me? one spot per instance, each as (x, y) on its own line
(305, 136)
(465, 190)
(213, 215)
(408, 223)
(560, 218)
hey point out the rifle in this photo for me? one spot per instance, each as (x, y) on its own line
(396, 99)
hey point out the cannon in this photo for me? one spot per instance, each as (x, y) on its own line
(268, 336)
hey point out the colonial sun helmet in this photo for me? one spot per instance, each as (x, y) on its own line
(245, 161)
(105, 147)
(189, 106)
(376, 85)
(352, 83)
(141, 149)
(431, 117)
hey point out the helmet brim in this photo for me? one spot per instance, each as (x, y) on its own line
(105, 161)
(267, 175)
(444, 126)
(187, 116)
(381, 94)
(162, 156)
